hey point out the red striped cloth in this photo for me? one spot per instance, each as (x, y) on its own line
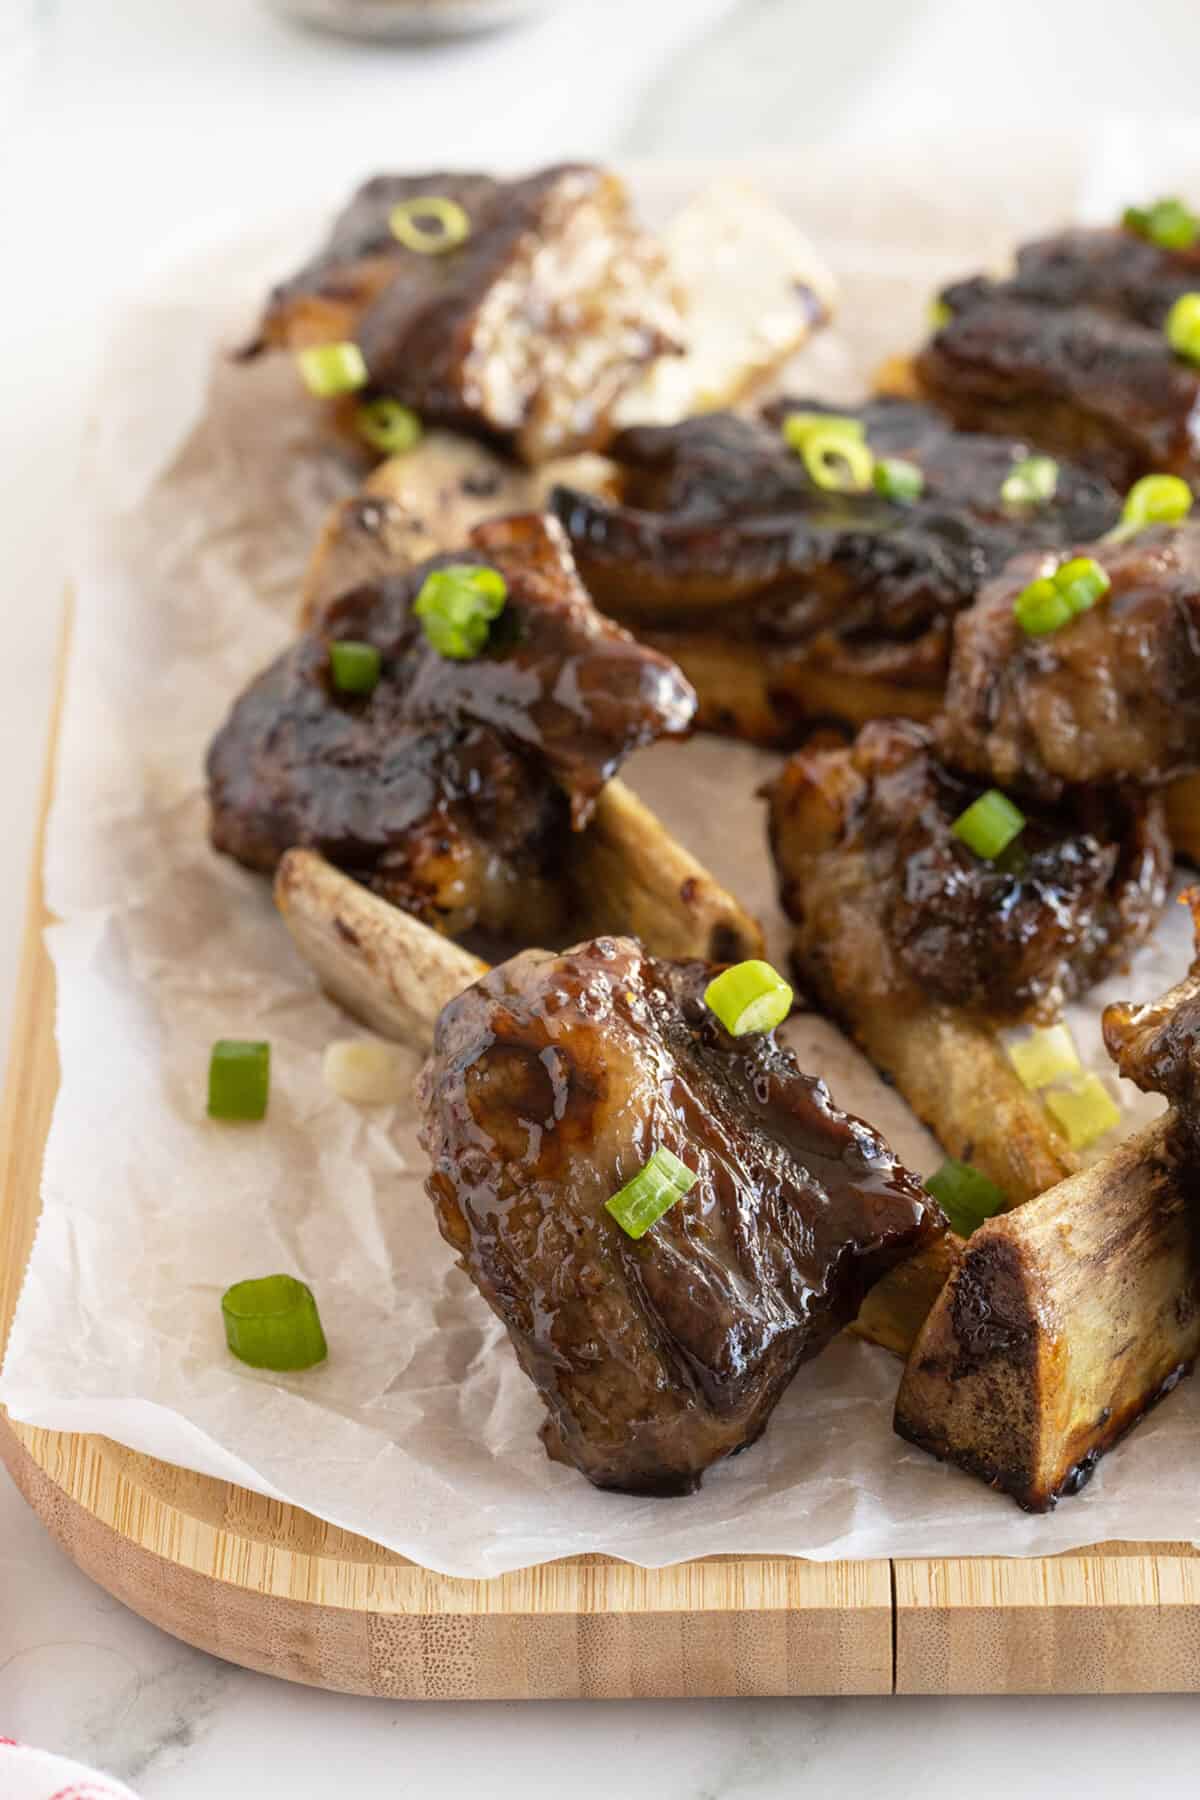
(27, 1774)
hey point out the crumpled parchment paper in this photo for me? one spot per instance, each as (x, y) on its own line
(203, 488)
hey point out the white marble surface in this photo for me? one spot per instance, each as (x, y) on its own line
(123, 121)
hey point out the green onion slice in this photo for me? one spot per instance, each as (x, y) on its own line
(1168, 223)
(1183, 327)
(354, 667)
(1082, 582)
(273, 1323)
(834, 450)
(965, 1195)
(1154, 500)
(1046, 1055)
(939, 315)
(239, 1079)
(328, 370)
(990, 824)
(1084, 1110)
(430, 224)
(387, 426)
(1030, 482)
(750, 996)
(456, 607)
(1040, 608)
(1054, 600)
(655, 1188)
(897, 479)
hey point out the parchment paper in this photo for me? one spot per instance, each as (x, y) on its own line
(198, 508)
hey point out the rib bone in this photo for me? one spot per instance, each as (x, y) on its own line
(1064, 1321)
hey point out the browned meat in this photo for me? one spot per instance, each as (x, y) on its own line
(891, 909)
(1071, 350)
(1157, 1044)
(1111, 268)
(530, 331)
(721, 538)
(551, 1083)
(1114, 696)
(1077, 381)
(448, 789)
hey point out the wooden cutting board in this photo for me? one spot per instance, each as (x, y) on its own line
(275, 1589)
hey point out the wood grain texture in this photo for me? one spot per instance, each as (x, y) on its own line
(1120, 1619)
(274, 1589)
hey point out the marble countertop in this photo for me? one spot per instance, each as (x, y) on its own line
(120, 124)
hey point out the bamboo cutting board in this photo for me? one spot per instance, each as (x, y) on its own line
(275, 1589)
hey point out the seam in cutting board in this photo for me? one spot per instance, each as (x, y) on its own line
(1156, 1595)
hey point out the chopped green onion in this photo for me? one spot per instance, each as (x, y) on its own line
(387, 426)
(1053, 600)
(965, 1195)
(1183, 327)
(797, 425)
(750, 996)
(411, 220)
(655, 1188)
(990, 824)
(897, 479)
(834, 450)
(365, 1071)
(239, 1079)
(456, 606)
(1168, 223)
(1082, 582)
(1083, 1110)
(1040, 608)
(1154, 500)
(939, 315)
(354, 667)
(1044, 1056)
(328, 370)
(1031, 482)
(273, 1323)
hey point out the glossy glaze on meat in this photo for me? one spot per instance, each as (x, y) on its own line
(1078, 382)
(450, 787)
(1070, 350)
(889, 904)
(529, 331)
(1114, 696)
(551, 1083)
(1106, 267)
(721, 531)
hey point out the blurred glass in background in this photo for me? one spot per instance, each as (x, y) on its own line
(399, 19)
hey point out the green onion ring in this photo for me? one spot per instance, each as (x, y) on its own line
(387, 426)
(354, 667)
(456, 607)
(1030, 482)
(1154, 500)
(898, 479)
(273, 1323)
(989, 825)
(834, 450)
(1183, 327)
(452, 224)
(655, 1188)
(239, 1079)
(750, 996)
(328, 370)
